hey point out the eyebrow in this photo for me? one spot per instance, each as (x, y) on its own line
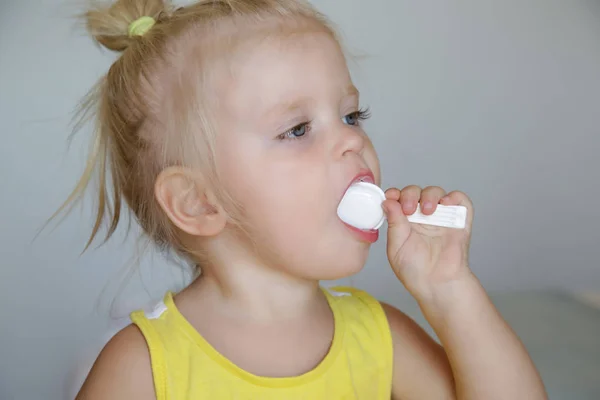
(291, 106)
(287, 107)
(351, 90)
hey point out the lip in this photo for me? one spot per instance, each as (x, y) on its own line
(368, 236)
(371, 235)
(364, 175)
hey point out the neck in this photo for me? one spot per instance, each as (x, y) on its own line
(246, 285)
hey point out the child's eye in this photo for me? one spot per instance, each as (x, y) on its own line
(296, 132)
(354, 118)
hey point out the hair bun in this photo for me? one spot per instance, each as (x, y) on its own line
(110, 24)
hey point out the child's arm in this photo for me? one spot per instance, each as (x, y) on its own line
(122, 370)
(483, 358)
(486, 359)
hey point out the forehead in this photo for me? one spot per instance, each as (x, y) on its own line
(284, 68)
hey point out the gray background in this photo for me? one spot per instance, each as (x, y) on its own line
(499, 99)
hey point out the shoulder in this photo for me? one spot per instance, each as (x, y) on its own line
(357, 303)
(409, 337)
(122, 370)
(400, 323)
(364, 315)
(421, 366)
(352, 294)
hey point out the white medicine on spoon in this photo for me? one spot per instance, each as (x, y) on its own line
(361, 208)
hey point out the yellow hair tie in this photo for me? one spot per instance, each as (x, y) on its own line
(140, 26)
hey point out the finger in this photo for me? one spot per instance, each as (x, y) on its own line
(457, 198)
(398, 226)
(409, 198)
(392, 194)
(430, 197)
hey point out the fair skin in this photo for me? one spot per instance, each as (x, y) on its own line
(289, 155)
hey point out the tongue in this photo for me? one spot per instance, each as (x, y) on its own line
(361, 206)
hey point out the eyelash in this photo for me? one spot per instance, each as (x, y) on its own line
(360, 115)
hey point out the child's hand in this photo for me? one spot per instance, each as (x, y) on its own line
(424, 257)
(432, 262)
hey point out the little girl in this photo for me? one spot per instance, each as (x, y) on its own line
(232, 129)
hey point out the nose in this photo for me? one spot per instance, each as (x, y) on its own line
(350, 139)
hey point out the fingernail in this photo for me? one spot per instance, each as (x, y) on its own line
(427, 206)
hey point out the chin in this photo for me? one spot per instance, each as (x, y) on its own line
(341, 273)
(343, 268)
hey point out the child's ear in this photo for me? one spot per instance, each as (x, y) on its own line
(188, 203)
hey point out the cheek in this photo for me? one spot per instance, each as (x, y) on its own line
(285, 198)
(295, 200)
(239, 174)
(281, 223)
(283, 209)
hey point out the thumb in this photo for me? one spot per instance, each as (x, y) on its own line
(398, 226)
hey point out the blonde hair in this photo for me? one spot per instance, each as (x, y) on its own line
(148, 115)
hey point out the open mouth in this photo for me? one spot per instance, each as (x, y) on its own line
(363, 234)
(364, 175)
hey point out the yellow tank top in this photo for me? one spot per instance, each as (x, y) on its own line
(357, 366)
